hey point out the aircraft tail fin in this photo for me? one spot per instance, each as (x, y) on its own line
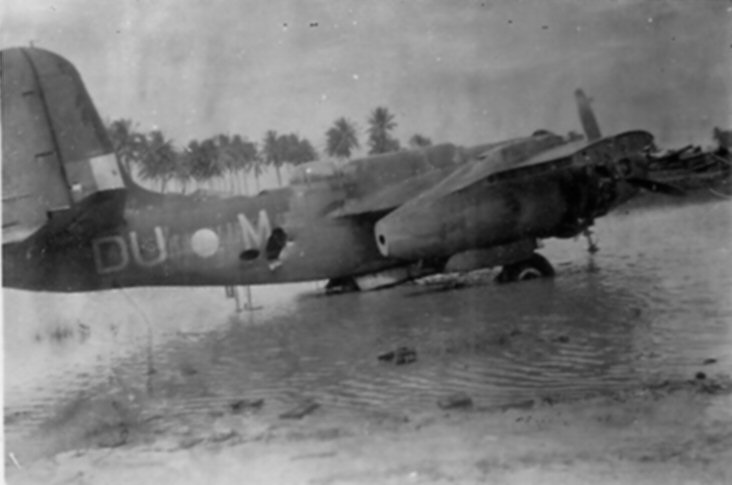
(587, 116)
(59, 168)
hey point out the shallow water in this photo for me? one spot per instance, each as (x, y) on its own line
(654, 303)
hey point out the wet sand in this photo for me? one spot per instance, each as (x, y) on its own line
(617, 371)
(664, 433)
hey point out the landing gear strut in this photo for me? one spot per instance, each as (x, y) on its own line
(592, 247)
(534, 267)
(234, 292)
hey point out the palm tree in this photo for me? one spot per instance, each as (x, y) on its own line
(194, 163)
(419, 141)
(182, 172)
(341, 139)
(126, 142)
(305, 152)
(158, 160)
(287, 147)
(381, 123)
(226, 159)
(272, 152)
(244, 153)
(256, 166)
(203, 160)
(294, 150)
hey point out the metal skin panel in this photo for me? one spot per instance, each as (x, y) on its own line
(540, 199)
(74, 119)
(33, 181)
(57, 156)
(185, 243)
(427, 204)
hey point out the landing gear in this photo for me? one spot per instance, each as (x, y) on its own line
(234, 292)
(592, 247)
(378, 280)
(344, 284)
(534, 267)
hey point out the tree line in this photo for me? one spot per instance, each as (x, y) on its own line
(230, 160)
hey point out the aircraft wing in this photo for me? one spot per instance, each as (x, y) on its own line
(502, 164)
(502, 160)
(442, 160)
(491, 189)
(492, 158)
(390, 197)
(523, 157)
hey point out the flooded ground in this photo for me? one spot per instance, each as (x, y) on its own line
(652, 305)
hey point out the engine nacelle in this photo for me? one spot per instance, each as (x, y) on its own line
(546, 198)
(475, 218)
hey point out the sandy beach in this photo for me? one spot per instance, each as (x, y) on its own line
(666, 432)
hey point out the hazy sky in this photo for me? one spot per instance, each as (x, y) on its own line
(467, 72)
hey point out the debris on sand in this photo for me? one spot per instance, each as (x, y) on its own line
(13, 418)
(189, 442)
(223, 435)
(400, 356)
(709, 361)
(710, 386)
(113, 437)
(246, 405)
(300, 411)
(459, 400)
(506, 337)
(701, 383)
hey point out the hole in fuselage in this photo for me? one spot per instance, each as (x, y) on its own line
(276, 243)
(249, 254)
(382, 239)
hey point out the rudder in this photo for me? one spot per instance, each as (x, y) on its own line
(58, 164)
(587, 116)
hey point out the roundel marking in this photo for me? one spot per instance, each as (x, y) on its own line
(205, 243)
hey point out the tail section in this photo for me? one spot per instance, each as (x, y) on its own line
(587, 116)
(58, 165)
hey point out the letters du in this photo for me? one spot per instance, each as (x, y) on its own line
(113, 253)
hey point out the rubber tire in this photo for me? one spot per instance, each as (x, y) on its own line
(534, 267)
(343, 284)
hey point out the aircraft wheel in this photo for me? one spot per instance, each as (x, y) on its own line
(535, 267)
(345, 284)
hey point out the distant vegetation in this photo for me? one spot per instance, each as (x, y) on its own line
(230, 162)
(341, 139)
(419, 141)
(381, 124)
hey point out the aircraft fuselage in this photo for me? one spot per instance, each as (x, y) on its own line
(289, 234)
(188, 241)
